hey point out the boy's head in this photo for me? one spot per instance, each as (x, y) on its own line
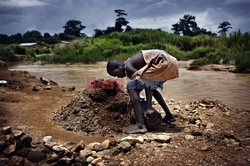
(116, 68)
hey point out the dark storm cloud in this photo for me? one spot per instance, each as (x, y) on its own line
(51, 15)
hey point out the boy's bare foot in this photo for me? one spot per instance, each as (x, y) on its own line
(137, 130)
(168, 119)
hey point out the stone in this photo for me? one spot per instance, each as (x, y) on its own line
(52, 158)
(91, 145)
(9, 150)
(106, 144)
(78, 147)
(163, 138)
(124, 146)
(189, 137)
(205, 148)
(3, 145)
(6, 130)
(96, 161)
(60, 148)
(97, 147)
(35, 88)
(85, 153)
(26, 140)
(9, 137)
(90, 159)
(64, 161)
(72, 88)
(99, 154)
(44, 80)
(50, 144)
(18, 161)
(18, 133)
(47, 88)
(36, 156)
(133, 140)
(209, 125)
(47, 139)
(24, 152)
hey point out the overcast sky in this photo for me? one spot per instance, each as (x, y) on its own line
(19, 16)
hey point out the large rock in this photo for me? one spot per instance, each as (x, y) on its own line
(133, 140)
(24, 152)
(4, 160)
(106, 144)
(85, 153)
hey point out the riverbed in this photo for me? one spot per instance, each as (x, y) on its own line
(230, 88)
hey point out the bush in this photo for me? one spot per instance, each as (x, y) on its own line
(7, 54)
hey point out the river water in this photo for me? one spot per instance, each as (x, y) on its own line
(230, 88)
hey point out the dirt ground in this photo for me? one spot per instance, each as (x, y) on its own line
(220, 135)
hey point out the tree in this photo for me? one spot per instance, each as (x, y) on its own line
(4, 39)
(188, 26)
(120, 21)
(98, 33)
(74, 27)
(32, 36)
(224, 26)
(46, 35)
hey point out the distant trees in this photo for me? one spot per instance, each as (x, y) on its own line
(224, 27)
(188, 26)
(31, 36)
(74, 27)
(120, 22)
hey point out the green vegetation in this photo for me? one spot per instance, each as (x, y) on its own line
(234, 49)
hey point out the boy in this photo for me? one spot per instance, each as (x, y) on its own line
(154, 67)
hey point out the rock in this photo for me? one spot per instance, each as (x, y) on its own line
(72, 88)
(99, 154)
(91, 145)
(9, 137)
(205, 148)
(78, 147)
(16, 161)
(189, 137)
(47, 88)
(90, 159)
(47, 139)
(133, 140)
(24, 152)
(26, 140)
(52, 83)
(4, 161)
(44, 80)
(85, 153)
(124, 146)
(60, 148)
(97, 147)
(9, 150)
(52, 158)
(64, 161)
(18, 133)
(3, 145)
(209, 125)
(35, 88)
(163, 138)
(106, 144)
(6, 130)
(50, 144)
(196, 132)
(36, 156)
(96, 161)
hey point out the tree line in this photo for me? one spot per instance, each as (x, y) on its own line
(186, 26)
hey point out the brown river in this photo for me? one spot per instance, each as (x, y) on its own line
(230, 88)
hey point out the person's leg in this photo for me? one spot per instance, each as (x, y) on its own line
(169, 117)
(139, 127)
(149, 94)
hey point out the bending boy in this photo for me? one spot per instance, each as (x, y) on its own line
(154, 67)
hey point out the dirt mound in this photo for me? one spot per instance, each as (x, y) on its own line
(95, 111)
